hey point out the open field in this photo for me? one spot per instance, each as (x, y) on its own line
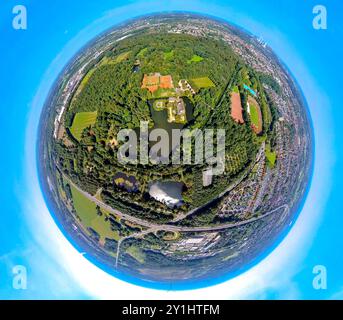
(195, 58)
(81, 121)
(255, 115)
(121, 57)
(86, 79)
(136, 253)
(171, 236)
(270, 156)
(202, 82)
(168, 55)
(235, 89)
(163, 93)
(236, 107)
(87, 212)
(142, 52)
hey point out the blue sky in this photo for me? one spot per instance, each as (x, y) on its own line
(31, 59)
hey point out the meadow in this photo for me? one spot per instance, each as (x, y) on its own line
(81, 121)
(202, 82)
(270, 156)
(87, 212)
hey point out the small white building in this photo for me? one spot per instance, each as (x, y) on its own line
(207, 177)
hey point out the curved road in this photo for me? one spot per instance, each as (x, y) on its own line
(154, 227)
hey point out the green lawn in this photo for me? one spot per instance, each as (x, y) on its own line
(195, 58)
(235, 89)
(121, 57)
(86, 79)
(270, 156)
(202, 82)
(163, 93)
(142, 52)
(169, 55)
(136, 253)
(81, 121)
(254, 115)
(171, 236)
(86, 210)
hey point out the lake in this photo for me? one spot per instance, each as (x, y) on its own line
(167, 192)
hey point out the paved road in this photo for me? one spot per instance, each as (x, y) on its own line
(154, 226)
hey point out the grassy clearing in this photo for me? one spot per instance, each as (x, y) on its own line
(163, 93)
(136, 253)
(195, 58)
(235, 89)
(169, 55)
(270, 156)
(85, 79)
(254, 115)
(202, 82)
(142, 52)
(121, 57)
(87, 212)
(171, 236)
(85, 208)
(81, 121)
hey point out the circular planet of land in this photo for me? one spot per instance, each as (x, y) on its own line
(175, 148)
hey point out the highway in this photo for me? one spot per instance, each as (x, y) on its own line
(153, 227)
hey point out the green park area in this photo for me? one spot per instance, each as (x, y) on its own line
(88, 213)
(163, 93)
(85, 80)
(142, 52)
(195, 58)
(117, 59)
(270, 156)
(81, 121)
(171, 236)
(122, 57)
(254, 115)
(136, 253)
(202, 82)
(168, 55)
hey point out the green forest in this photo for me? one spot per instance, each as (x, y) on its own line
(111, 92)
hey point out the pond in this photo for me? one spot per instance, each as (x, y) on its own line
(167, 192)
(129, 183)
(160, 118)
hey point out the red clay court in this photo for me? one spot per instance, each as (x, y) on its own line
(154, 81)
(236, 108)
